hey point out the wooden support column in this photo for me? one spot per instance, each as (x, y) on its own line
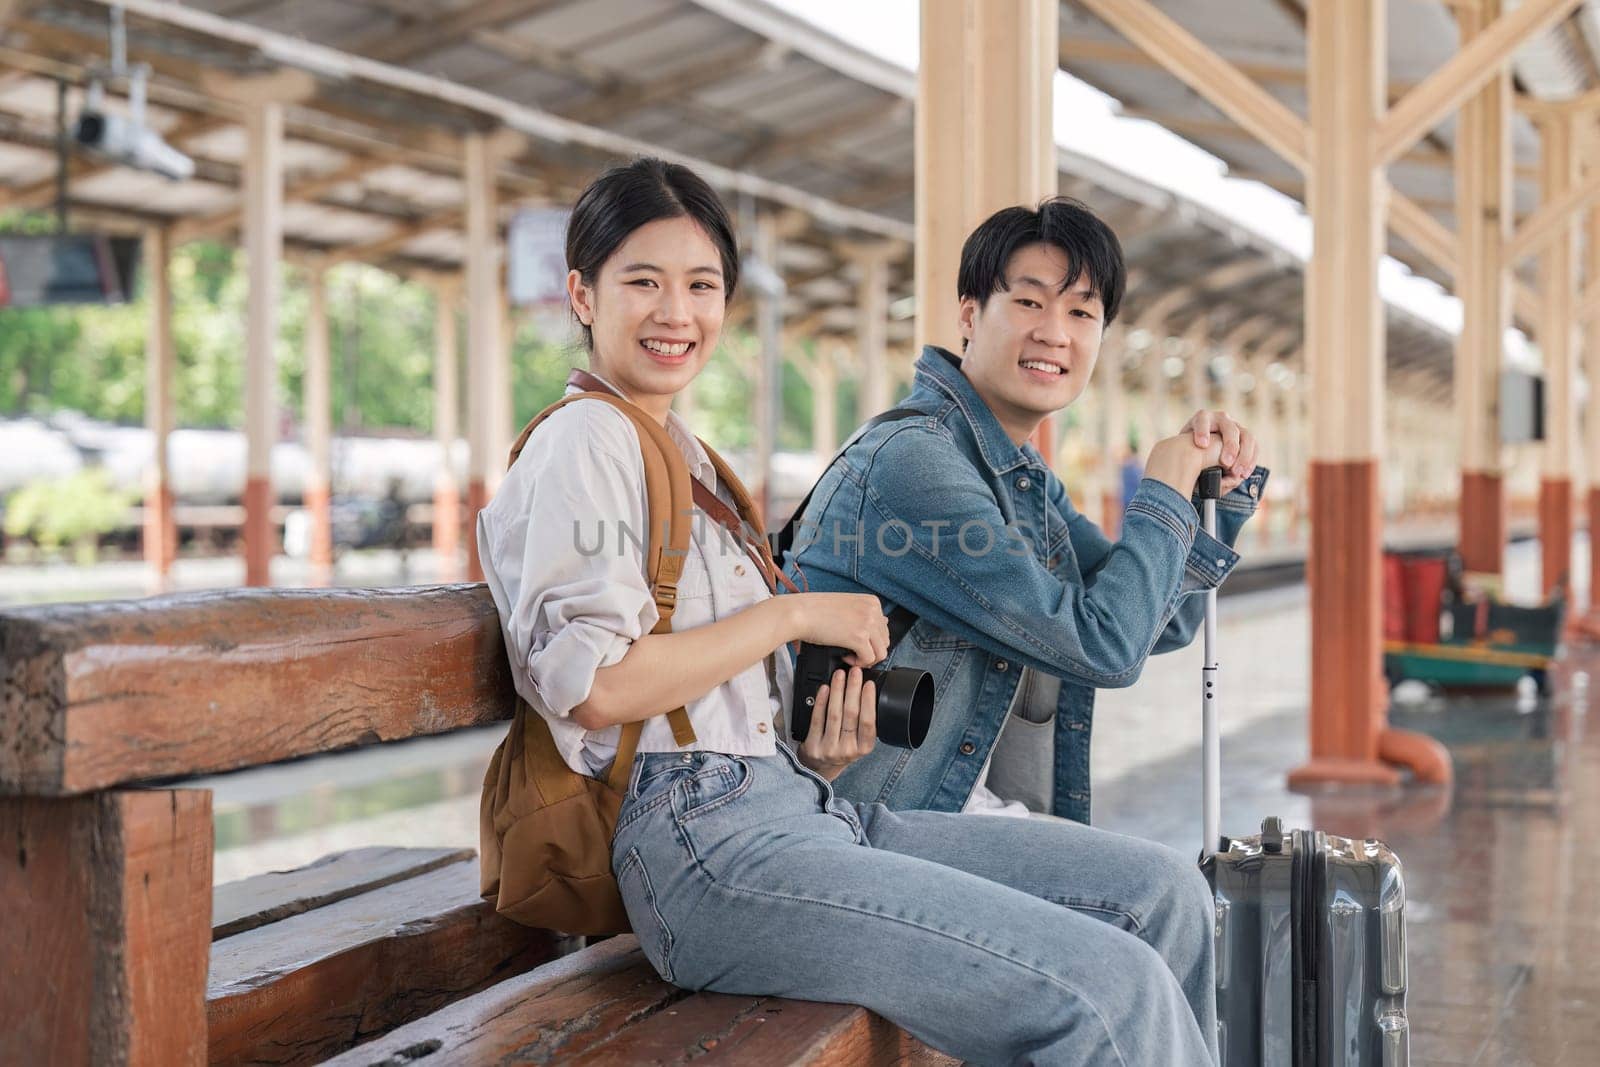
(984, 139)
(1350, 741)
(1557, 290)
(1113, 392)
(108, 927)
(263, 242)
(872, 328)
(446, 429)
(485, 336)
(1485, 210)
(1591, 420)
(319, 427)
(822, 375)
(1196, 354)
(160, 529)
(769, 367)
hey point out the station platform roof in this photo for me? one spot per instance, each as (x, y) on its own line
(780, 115)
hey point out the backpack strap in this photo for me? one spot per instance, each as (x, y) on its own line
(744, 520)
(668, 500)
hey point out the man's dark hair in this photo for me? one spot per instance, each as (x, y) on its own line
(631, 195)
(1092, 250)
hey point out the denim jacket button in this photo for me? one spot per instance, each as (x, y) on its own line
(968, 748)
(1024, 484)
(1001, 665)
(1253, 489)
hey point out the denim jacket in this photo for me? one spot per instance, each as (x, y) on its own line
(943, 514)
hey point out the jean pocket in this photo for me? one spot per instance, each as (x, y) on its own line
(644, 914)
(714, 787)
(658, 774)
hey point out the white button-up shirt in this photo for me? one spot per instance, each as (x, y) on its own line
(563, 551)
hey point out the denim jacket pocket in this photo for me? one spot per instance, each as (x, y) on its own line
(644, 915)
(928, 637)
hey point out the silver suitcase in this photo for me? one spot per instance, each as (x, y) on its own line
(1311, 928)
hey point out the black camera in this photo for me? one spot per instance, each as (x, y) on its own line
(905, 695)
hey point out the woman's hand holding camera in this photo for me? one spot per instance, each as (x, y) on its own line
(844, 724)
(851, 621)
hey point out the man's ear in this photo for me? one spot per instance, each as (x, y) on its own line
(967, 317)
(581, 297)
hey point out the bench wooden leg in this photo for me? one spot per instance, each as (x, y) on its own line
(107, 927)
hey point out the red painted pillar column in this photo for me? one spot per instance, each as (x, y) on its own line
(1557, 281)
(1350, 739)
(263, 239)
(160, 529)
(1484, 212)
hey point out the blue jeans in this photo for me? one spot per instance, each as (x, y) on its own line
(998, 940)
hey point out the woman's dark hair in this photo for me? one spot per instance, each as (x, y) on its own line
(1092, 250)
(631, 195)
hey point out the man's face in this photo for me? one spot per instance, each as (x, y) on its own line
(1032, 345)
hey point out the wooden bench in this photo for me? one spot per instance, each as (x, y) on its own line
(115, 949)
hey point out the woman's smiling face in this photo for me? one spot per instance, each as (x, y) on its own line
(656, 310)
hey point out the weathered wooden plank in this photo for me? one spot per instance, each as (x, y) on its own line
(94, 695)
(712, 1028)
(313, 984)
(103, 944)
(545, 1016)
(266, 898)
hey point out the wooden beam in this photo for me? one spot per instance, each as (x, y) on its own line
(610, 106)
(399, 238)
(1462, 75)
(436, 32)
(215, 225)
(1550, 219)
(111, 693)
(1412, 222)
(1222, 84)
(1083, 49)
(285, 85)
(772, 148)
(1533, 107)
(1419, 155)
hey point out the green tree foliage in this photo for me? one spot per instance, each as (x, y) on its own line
(381, 344)
(67, 511)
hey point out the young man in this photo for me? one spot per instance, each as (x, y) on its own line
(1022, 607)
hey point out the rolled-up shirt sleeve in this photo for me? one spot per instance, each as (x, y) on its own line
(565, 540)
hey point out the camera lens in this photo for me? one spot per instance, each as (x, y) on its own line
(905, 705)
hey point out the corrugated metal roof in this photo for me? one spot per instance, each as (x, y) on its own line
(817, 125)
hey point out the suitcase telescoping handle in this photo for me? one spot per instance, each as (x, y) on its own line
(1209, 488)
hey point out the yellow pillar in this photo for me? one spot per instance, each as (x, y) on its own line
(263, 242)
(983, 138)
(160, 528)
(872, 329)
(1591, 420)
(1113, 392)
(319, 426)
(446, 430)
(1350, 739)
(485, 337)
(1557, 282)
(1485, 211)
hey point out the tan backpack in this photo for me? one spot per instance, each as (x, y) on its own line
(545, 830)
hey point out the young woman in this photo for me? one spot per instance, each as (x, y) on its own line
(996, 940)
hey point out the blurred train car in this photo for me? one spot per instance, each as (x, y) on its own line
(207, 470)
